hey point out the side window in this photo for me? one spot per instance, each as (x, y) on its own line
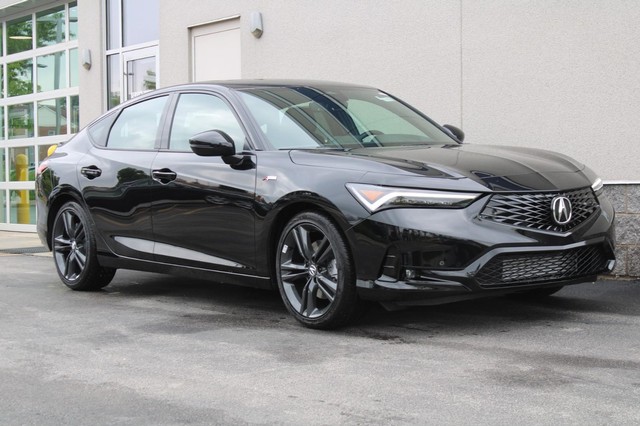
(197, 112)
(137, 126)
(100, 129)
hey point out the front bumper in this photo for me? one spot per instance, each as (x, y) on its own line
(429, 256)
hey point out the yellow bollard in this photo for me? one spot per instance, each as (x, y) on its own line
(51, 150)
(22, 174)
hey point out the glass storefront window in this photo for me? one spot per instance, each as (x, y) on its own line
(3, 206)
(39, 77)
(19, 35)
(20, 120)
(22, 164)
(74, 111)
(50, 27)
(23, 206)
(134, 12)
(42, 152)
(73, 67)
(52, 71)
(3, 176)
(141, 76)
(52, 117)
(113, 24)
(20, 78)
(73, 21)
(113, 80)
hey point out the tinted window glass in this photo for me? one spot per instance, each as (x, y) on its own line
(198, 112)
(338, 117)
(137, 125)
(100, 129)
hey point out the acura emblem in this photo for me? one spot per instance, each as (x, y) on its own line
(561, 210)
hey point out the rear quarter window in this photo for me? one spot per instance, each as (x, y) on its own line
(99, 131)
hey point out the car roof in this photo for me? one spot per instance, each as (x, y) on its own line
(262, 83)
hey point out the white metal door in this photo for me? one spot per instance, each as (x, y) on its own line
(216, 50)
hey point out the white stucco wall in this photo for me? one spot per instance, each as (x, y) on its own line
(555, 74)
(369, 42)
(91, 32)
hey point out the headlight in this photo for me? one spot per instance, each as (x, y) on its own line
(374, 197)
(597, 186)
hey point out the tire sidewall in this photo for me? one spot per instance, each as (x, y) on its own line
(345, 293)
(91, 260)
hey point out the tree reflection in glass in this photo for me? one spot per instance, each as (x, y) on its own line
(20, 78)
(50, 27)
(19, 35)
(20, 120)
(52, 72)
(52, 117)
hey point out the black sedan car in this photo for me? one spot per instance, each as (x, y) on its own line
(335, 194)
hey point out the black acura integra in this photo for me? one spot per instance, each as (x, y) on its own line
(335, 194)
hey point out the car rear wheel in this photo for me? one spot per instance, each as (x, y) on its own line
(315, 272)
(74, 250)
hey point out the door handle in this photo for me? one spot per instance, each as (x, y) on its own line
(91, 172)
(163, 176)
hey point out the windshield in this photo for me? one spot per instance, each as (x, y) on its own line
(338, 117)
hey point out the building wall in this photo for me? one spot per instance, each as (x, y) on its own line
(559, 75)
(91, 29)
(371, 42)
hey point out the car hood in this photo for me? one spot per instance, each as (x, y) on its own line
(460, 167)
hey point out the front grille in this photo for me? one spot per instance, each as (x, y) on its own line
(534, 210)
(523, 268)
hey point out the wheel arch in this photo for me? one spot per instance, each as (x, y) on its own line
(283, 213)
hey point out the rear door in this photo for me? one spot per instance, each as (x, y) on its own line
(115, 176)
(203, 208)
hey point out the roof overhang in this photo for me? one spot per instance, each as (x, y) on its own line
(16, 7)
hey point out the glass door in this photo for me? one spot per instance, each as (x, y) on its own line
(140, 71)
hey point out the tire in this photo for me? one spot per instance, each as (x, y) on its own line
(315, 273)
(538, 293)
(74, 250)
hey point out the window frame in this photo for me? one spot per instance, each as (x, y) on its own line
(172, 114)
(117, 113)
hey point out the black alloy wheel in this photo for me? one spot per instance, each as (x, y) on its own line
(315, 272)
(74, 250)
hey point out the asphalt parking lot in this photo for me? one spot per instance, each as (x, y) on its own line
(152, 349)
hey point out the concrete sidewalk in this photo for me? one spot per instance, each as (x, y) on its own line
(21, 243)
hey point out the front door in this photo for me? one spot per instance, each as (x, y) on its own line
(202, 207)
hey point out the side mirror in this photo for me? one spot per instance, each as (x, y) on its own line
(212, 143)
(456, 132)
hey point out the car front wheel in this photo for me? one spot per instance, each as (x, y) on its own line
(315, 272)
(74, 250)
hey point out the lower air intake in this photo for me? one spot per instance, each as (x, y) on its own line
(534, 267)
